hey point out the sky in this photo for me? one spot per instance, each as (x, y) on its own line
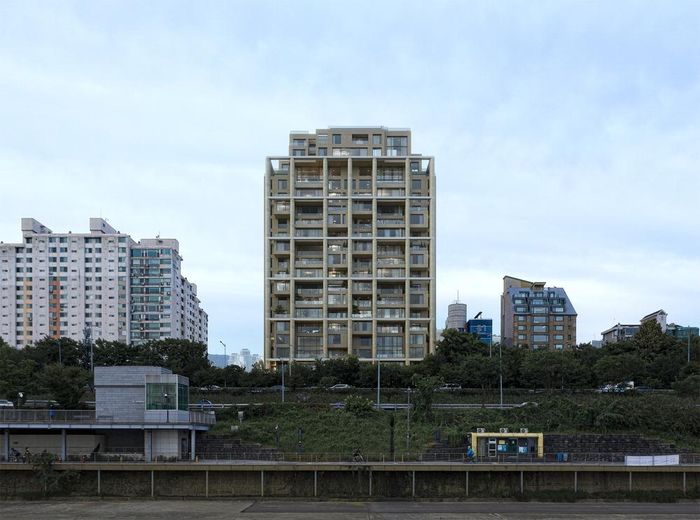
(566, 136)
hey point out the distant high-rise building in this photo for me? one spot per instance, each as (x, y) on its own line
(218, 360)
(64, 284)
(456, 316)
(349, 248)
(246, 359)
(535, 316)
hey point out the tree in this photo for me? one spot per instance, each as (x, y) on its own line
(65, 384)
(182, 356)
(456, 345)
(425, 391)
(116, 353)
(624, 367)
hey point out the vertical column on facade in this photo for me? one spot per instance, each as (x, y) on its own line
(375, 259)
(433, 273)
(349, 257)
(148, 445)
(267, 234)
(292, 257)
(407, 259)
(193, 443)
(324, 248)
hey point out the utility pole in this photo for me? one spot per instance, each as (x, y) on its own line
(379, 381)
(408, 419)
(500, 372)
(282, 381)
(225, 364)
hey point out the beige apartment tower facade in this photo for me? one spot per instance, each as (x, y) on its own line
(349, 248)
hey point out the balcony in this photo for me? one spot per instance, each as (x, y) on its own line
(308, 192)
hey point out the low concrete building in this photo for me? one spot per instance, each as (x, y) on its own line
(140, 413)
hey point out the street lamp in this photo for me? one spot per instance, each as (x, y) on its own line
(225, 364)
(167, 408)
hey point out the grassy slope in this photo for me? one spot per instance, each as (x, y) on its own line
(331, 431)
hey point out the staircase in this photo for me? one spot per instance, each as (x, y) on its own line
(606, 447)
(223, 447)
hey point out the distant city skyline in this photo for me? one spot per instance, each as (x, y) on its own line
(564, 135)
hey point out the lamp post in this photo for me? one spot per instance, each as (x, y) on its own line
(167, 409)
(225, 364)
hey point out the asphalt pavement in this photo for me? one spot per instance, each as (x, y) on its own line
(305, 510)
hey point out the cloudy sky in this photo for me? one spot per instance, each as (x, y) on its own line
(566, 135)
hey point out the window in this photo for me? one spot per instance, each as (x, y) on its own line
(376, 139)
(376, 152)
(323, 151)
(336, 138)
(322, 138)
(540, 338)
(417, 219)
(298, 142)
(334, 339)
(416, 184)
(298, 153)
(282, 185)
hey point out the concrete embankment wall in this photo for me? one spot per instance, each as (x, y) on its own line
(459, 481)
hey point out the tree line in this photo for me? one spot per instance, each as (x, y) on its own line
(60, 368)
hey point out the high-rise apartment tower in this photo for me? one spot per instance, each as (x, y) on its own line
(535, 316)
(62, 284)
(349, 248)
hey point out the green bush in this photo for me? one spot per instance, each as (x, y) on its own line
(358, 406)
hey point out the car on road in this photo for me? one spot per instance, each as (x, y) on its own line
(340, 386)
(450, 387)
(4, 403)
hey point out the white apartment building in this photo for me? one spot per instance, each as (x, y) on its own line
(59, 284)
(349, 248)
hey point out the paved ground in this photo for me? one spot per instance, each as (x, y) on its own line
(293, 510)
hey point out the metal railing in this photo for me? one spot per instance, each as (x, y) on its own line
(91, 417)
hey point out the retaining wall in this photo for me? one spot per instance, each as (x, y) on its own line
(366, 481)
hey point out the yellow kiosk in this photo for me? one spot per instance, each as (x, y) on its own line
(505, 443)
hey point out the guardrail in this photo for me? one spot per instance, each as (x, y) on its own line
(348, 457)
(13, 416)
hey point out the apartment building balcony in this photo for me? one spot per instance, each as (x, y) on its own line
(417, 351)
(337, 300)
(336, 352)
(280, 352)
(337, 273)
(389, 261)
(391, 301)
(281, 207)
(308, 301)
(308, 313)
(391, 233)
(362, 248)
(308, 192)
(361, 273)
(309, 222)
(362, 207)
(362, 315)
(390, 179)
(362, 352)
(308, 262)
(390, 222)
(362, 287)
(309, 273)
(391, 273)
(391, 313)
(308, 233)
(391, 192)
(309, 181)
(337, 219)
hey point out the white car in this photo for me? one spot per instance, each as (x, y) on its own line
(4, 403)
(340, 386)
